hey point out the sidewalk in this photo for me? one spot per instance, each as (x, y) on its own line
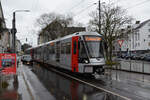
(27, 87)
(34, 87)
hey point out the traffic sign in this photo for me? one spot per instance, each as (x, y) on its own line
(120, 42)
(14, 30)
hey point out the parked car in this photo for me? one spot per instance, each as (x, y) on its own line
(130, 55)
(137, 56)
(147, 57)
(143, 56)
(134, 56)
(123, 55)
(26, 59)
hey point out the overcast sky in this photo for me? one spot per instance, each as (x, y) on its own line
(139, 9)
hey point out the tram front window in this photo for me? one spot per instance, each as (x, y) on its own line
(91, 47)
(94, 46)
(82, 51)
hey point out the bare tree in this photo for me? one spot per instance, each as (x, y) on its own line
(113, 19)
(47, 18)
(53, 25)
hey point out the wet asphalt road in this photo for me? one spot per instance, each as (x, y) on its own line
(38, 83)
(65, 88)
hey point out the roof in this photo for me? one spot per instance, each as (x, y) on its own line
(2, 15)
(69, 36)
(142, 24)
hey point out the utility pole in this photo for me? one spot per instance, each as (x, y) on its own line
(100, 16)
(13, 31)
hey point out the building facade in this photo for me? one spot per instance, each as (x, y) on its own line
(140, 39)
(137, 40)
(4, 33)
(18, 46)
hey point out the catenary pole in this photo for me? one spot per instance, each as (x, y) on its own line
(100, 16)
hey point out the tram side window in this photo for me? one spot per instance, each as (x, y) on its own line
(38, 53)
(68, 48)
(34, 53)
(47, 52)
(41, 52)
(62, 48)
(50, 50)
(53, 49)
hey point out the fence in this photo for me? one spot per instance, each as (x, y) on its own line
(133, 66)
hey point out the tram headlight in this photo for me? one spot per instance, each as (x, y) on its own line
(86, 61)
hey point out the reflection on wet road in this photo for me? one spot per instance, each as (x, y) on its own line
(63, 88)
(9, 88)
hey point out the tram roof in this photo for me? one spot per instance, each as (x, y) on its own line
(68, 36)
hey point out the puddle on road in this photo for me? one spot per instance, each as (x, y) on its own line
(63, 88)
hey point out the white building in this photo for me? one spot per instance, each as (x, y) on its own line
(138, 39)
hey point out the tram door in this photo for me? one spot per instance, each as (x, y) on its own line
(75, 53)
(57, 51)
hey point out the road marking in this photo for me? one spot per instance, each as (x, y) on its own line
(32, 97)
(92, 85)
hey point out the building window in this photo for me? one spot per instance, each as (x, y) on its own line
(149, 30)
(138, 44)
(138, 36)
(148, 36)
(149, 44)
(135, 45)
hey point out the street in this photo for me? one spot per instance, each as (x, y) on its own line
(39, 83)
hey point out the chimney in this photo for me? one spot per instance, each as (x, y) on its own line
(137, 22)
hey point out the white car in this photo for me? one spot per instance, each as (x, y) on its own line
(26, 59)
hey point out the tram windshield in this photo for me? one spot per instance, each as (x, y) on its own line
(94, 46)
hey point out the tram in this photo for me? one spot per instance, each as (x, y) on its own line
(81, 52)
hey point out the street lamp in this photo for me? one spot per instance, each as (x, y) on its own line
(14, 30)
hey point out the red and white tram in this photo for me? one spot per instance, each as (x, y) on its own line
(81, 52)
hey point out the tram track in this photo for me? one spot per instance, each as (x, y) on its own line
(79, 79)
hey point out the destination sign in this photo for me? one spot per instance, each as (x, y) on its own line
(87, 38)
